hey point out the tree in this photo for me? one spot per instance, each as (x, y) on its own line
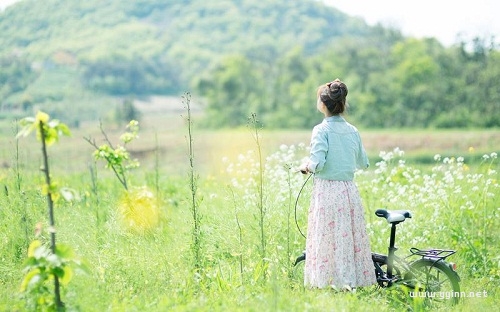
(127, 111)
(232, 91)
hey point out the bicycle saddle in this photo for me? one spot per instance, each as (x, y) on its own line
(394, 216)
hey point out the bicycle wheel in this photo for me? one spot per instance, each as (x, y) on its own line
(296, 274)
(435, 282)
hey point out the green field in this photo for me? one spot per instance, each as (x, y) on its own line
(247, 235)
(163, 136)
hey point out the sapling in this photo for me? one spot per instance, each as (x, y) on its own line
(44, 264)
(117, 158)
(138, 206)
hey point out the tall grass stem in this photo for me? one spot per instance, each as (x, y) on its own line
(193, 185)
(254, 123)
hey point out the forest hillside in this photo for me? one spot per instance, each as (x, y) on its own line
(82, 60)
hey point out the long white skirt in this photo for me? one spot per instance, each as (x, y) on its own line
(338, 250)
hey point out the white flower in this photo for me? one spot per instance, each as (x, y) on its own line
(399, 152)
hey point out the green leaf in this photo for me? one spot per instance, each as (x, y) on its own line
(65, 252)
(67, 275)
(54, 260)
(29, 264)
(41, 252)
(30, 278)
(51, 136)
(64, 129)
(58, 271)
(32, 247)
(68, 194)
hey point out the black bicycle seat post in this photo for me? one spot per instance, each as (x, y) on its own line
(392, 250)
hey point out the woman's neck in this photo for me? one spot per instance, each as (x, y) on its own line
(328, 114)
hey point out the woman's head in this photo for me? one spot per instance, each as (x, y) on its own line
(333, 95)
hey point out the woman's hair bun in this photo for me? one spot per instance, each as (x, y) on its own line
(333, 95)
(336, 90)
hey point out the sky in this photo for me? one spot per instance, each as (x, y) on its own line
(442, 19)
(5, 3)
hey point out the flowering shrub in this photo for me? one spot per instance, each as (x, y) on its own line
(280, 174)
(453, 206)
(281, 183)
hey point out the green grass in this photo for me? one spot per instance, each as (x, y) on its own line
(455, 205)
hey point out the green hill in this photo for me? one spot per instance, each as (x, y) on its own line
(144, 47)
(78, 60)
(174, 40)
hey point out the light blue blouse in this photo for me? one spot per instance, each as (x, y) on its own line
(336, 150)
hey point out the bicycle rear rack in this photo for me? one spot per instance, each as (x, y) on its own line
(432, 253)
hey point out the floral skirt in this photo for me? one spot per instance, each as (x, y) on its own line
(337, 246)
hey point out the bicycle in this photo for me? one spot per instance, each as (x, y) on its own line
(430, 277)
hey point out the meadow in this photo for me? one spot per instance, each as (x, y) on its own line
(220, 226)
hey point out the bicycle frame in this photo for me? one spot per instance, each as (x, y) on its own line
(387, 278)
(394, 219)
(392, 251)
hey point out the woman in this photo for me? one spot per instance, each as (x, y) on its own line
(337, 246)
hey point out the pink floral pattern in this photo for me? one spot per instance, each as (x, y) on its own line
(338, 250)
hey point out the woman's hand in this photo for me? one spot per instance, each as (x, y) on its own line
(303, 169)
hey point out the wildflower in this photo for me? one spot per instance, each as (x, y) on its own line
(399, 152)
